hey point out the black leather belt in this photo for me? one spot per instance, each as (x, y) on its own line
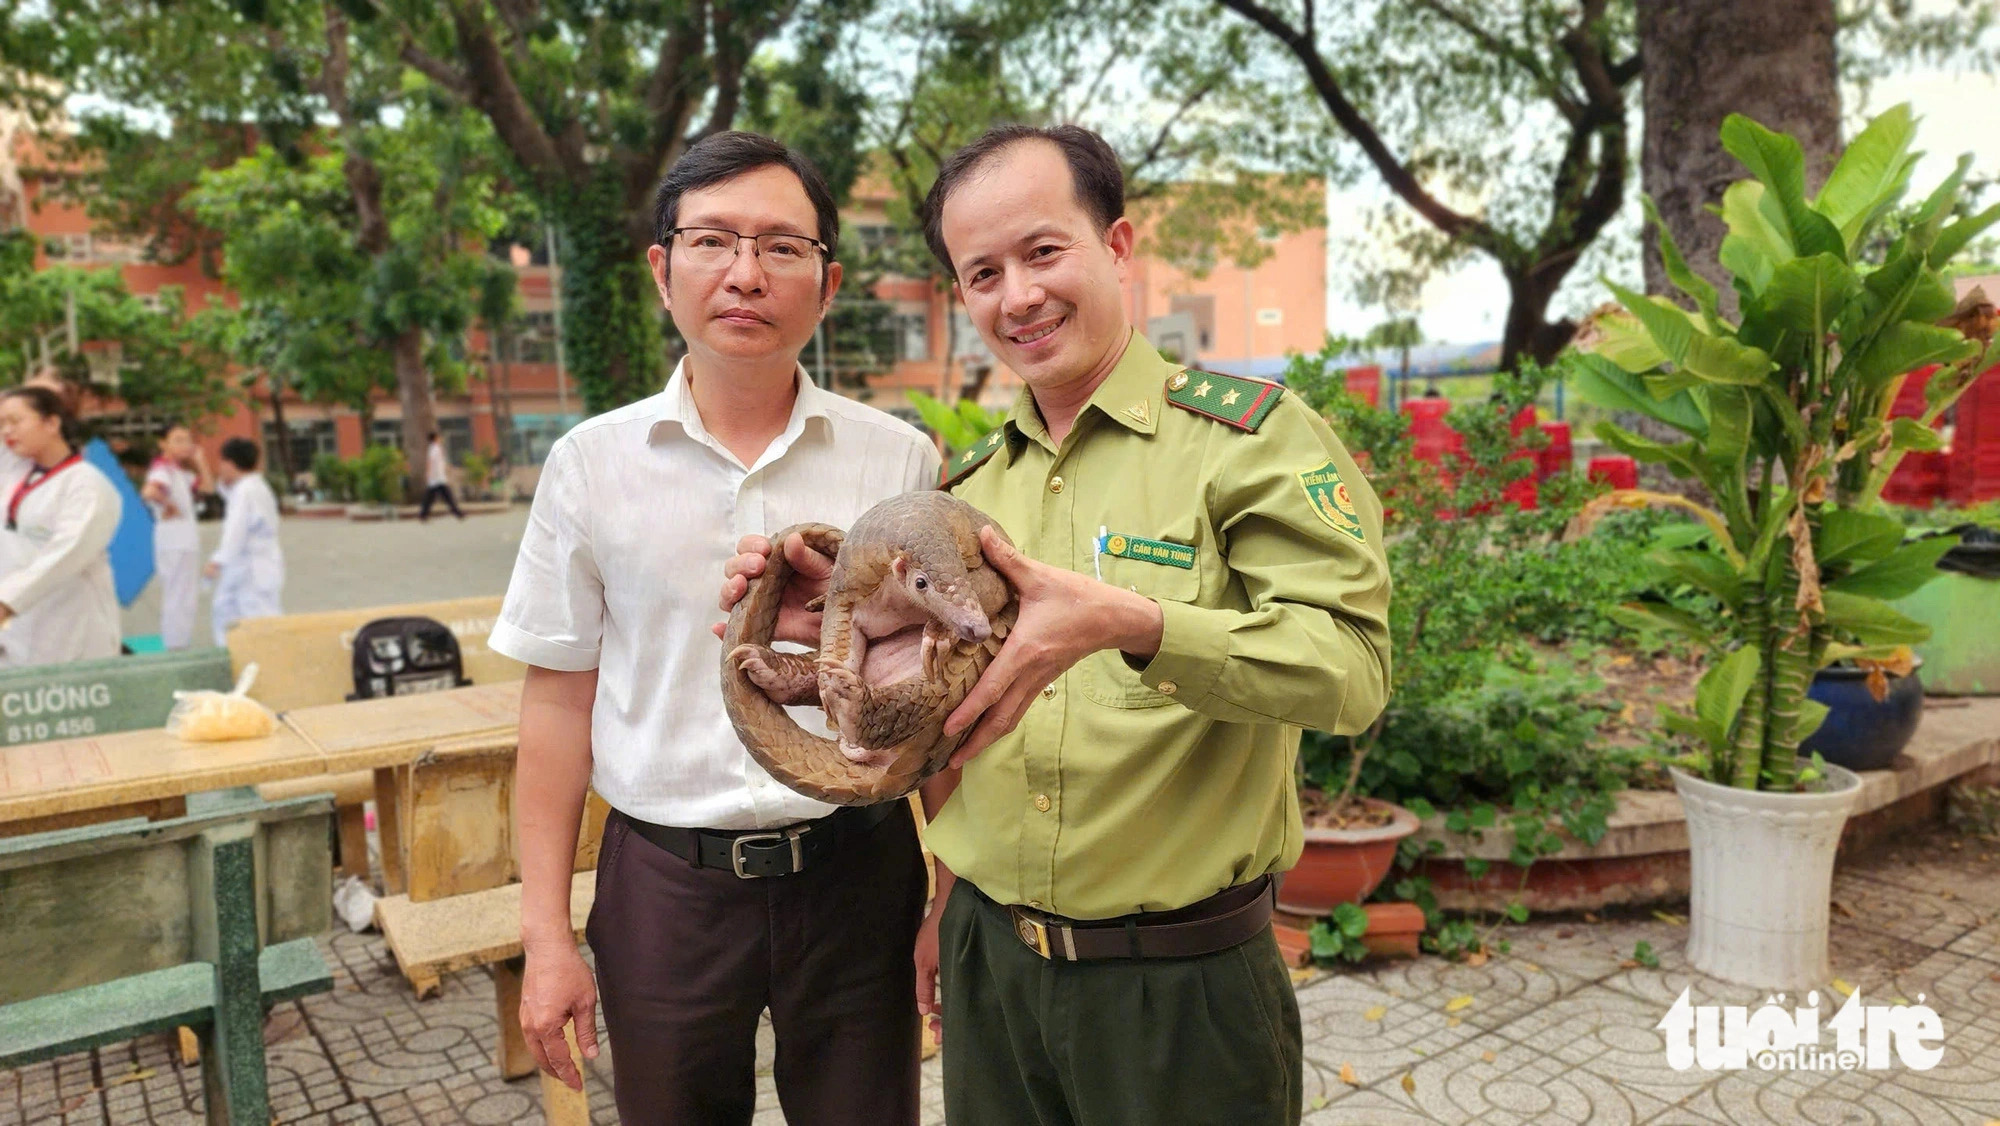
(759, 853)
(1229, 917)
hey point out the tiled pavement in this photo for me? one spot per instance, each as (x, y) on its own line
(1559, 1030)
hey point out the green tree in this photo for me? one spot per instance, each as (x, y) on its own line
(85, 323)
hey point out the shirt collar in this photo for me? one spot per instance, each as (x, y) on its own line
(677, 405)
(1130, 396)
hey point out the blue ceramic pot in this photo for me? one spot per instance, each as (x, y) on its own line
(1861, 733)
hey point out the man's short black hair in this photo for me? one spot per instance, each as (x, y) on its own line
(241, 453)
(433, 437)
(1093, 170)
(727, 155)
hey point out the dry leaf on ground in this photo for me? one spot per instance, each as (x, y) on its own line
(1376, 1013)
(1409, 1084)
(1489, 1057)
(1347, 1075)
(1462, 1001)
(1476, 959)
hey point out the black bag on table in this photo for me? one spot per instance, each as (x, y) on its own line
(400, 656)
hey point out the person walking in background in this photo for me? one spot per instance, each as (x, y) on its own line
(57, 601)
(248, 566)
(171, 483)
(437, 472)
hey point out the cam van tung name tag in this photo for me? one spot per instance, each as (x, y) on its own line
(1122, 546)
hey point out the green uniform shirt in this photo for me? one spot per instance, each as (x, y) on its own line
(1146, 786)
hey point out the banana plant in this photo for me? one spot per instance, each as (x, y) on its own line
(1784, 421)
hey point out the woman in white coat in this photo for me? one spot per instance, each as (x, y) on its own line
(57, 601)
(248, 565)
(171, 483)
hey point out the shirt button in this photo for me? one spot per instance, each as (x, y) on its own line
(1055, 484)
(1042, 802)
(1048, 692)
(1168, 688)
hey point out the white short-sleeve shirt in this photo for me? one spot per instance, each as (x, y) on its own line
(635, 515)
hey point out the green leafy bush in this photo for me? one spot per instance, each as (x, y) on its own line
(378, 475)
(334, 477)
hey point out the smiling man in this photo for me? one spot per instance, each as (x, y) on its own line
(719, 891)
(1201, 575)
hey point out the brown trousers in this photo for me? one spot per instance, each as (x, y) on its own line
(688, 958)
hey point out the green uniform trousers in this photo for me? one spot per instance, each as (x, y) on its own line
(1031, 1042)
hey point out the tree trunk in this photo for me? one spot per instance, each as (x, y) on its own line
(1527, 333)
(503, 394)
(1772, 61)
(413, 389)
(281, 457)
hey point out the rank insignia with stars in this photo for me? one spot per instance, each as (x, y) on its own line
(959, 465)
(1241, 402)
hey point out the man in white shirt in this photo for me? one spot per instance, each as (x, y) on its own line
(437, 475)
(719, 891)
(248, 566)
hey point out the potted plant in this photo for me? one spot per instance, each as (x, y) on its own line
(1784, 413)
(1350, 843)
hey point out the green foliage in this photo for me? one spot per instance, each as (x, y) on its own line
(378, 475)
(154, 359)
(478, 472)
(960, 426)
(1785, 423)
(1643, 954)
(335, 477)
(1338, 938)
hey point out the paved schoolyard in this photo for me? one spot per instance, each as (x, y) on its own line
(341, 564)
(1560, 1030)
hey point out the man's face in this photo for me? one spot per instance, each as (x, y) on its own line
(1041, 283)
(178, 445)
(746, 307)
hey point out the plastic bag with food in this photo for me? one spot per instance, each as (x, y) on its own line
(207, 716)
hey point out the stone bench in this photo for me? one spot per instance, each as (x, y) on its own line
(121, 929)
(84, 698)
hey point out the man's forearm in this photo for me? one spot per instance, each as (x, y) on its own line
(934, 793)
(552, 777)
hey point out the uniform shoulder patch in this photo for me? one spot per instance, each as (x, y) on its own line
(1233, 399)
(1326, 495)
(961, 464)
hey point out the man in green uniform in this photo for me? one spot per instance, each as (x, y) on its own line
(1201, 575)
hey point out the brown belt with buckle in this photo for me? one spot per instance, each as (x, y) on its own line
(1228, 918)
(763, 853)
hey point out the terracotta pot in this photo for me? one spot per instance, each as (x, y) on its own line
(1344, 865)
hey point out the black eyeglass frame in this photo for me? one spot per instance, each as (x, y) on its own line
(825, 251)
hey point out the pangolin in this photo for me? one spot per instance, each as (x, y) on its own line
(912, 615)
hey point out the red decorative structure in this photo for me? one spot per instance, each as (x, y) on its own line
(1616, 470)
(1366, 383)
(1967, 470)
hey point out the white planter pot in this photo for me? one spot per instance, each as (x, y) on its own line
(1761, 875)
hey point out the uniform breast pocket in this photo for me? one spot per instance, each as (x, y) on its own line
(1167, 566)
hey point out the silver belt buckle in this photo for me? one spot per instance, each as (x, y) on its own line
(1034, 934)
(736, 850)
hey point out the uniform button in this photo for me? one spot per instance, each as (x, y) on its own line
(1055, 484)
(1168, 688)
(1042, 802)
(1048, 692)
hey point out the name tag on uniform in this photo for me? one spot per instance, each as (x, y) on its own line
(1167, 554)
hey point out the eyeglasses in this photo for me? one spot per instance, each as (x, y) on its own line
(712, 248)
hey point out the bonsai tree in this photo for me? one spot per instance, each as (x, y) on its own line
(1785, 417)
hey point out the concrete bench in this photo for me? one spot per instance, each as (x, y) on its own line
(121, 929)
(85, 698)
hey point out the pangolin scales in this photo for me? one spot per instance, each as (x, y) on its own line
(913, 615)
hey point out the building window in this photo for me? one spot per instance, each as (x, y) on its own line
(969, 344)
(534, 434)
(1202, 308)
(309, 438)
(913, 331)
(872, 238)
(534, 338)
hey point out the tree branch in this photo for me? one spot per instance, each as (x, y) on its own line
(1153, 150)
(495, 92)
(437, 70)
(1550, 84)
(1393, 171)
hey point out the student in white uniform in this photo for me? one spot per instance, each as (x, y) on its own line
(437, 475)
(170, 488)
(248, 566)
(57, 601)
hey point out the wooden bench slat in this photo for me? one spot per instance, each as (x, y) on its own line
(62, 1023)
(476, 929)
